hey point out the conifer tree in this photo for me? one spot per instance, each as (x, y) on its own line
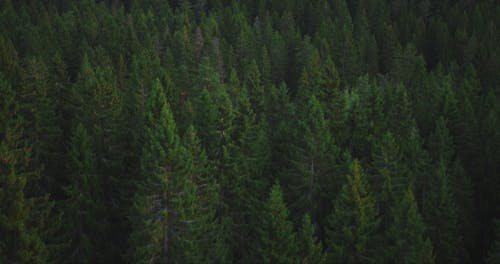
(97, 105)
(354, 222)
(280, 117)
(41, 123)
(357, 118)
(310, 249)
(20, 242)
(201, 238)
(260, 90)
(389, 180)
(153, 214)
(255, 88)
(145, 68)
(440, 213)
(277, 238)
(206, 122)
(249, 170)
(407, 242)
(83, 209)
(313, 165)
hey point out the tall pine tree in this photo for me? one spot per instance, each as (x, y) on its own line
(153, 215)
(406, 234)
(354, 222)
(20, 242)
(83, 210)
(278, 242)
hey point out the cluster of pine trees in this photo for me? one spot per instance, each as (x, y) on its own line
(270, 131)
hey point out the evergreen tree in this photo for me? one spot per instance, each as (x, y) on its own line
(153, 213)
(277, 238)
(313, 165)
(255, 88)
(97, 105)
(354, 222)
(83, 209)
(201, 237)
(389, 179)
(249, 170)
(41, 123)
(20, 242)
(357, 118)
(409, 88)
(440, 214)
(406, 234)
(311, 250)
(280, 119)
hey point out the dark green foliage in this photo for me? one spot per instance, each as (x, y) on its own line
(407, 242)
(277, 242)
(440, 213)
(38, 109)
(153, 211)
(354, 222)
(201, 238)
(311, 250)
(389, 179)
(312, 170)
(20, 242)
(96, 95)
(83, 210)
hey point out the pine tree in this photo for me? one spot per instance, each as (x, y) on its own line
(250, 172)
(200, 237)
(313, 165)
(97, 105)
(407, 242)
(265, 66)
(280, 118)
(277, 238)
(255, 88)
(59, 80)
(83, 209)
(153, 213)
(400, 116)
(441, 142)
(389, 179)
(145, 68)
(332, 98)
(354, 222)
(462, 189)
(417, 161)
(206, 122)
(41, 123)
(311, 250)
(440, 213)
(357, 118)
(311, 81)
(20, 242)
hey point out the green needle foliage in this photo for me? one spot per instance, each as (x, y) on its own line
(278, 241)
(152, 131)
(353, 224)
(20, 242)
(406, 234)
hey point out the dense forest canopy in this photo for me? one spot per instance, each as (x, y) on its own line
(269, 131)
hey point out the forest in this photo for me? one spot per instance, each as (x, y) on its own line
(249, 131)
